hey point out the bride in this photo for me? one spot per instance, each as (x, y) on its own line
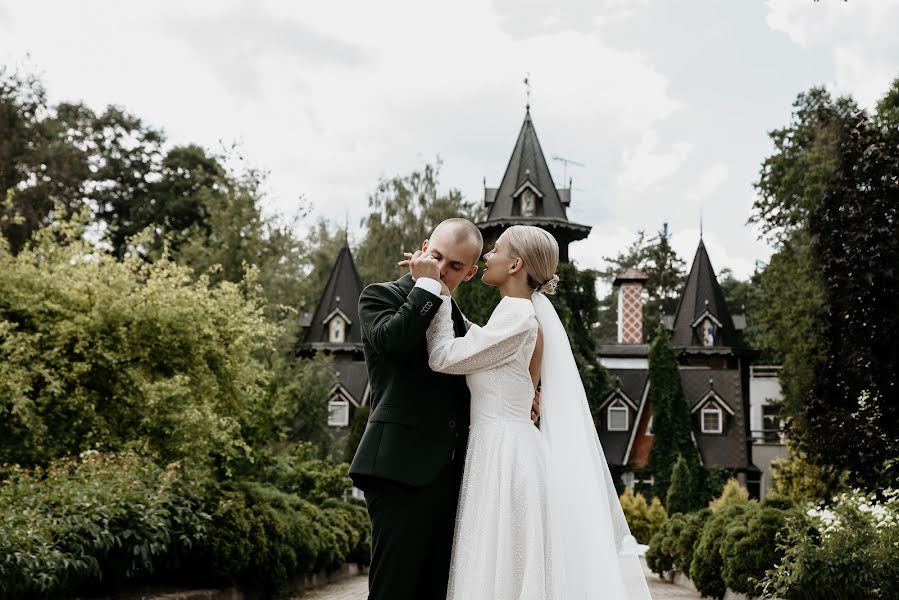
(538, 514)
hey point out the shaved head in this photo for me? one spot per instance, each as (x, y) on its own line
(464, 233)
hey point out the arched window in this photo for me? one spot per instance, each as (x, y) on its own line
(712, 419)
(528, 203)
(708, 332)
(337, 330)
(617, 416)
(338, 413)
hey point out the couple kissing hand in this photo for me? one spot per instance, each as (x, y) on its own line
(424, 265)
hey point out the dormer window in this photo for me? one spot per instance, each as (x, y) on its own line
(337, 330)
(713, 411)
(617, 416)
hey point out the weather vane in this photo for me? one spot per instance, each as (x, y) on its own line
(527, 86)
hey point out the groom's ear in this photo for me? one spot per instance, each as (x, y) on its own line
(424, 246)
(471, 273)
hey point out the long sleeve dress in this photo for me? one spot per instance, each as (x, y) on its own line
(501, 549)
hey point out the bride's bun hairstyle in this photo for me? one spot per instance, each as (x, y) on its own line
(539, 252)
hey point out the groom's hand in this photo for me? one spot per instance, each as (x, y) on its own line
(535, 407)
(421, 265)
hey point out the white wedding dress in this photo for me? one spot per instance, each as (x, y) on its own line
(538, 516)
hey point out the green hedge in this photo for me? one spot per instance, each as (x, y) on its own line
(103, 522)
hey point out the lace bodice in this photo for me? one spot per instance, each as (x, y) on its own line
(494, 358)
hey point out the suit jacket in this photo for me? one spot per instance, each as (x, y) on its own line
(419, 419)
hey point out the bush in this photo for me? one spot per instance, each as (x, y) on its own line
(683, 493)
(844, 552)
(733, 493)
(672, 545)
(707, 564)
(100, 518)
(750, 547)
(642, 518)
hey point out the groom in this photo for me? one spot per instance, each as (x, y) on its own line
(410, 459)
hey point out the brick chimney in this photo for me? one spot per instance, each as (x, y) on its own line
(630, 305)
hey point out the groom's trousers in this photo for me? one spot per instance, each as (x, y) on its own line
(412, 536)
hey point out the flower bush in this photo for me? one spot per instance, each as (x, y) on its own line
(849, 549)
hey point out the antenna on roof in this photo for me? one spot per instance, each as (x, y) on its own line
(565, 162)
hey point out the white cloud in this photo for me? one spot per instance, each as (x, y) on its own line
(644, 166)
(860, 37)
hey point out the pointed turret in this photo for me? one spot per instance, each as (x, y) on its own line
(527, 195)
(702, 317)
(335, 322)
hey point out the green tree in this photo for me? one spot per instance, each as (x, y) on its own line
(671, 424)
(683, 493)
(665, 268)
(357, 428)
(404, 212)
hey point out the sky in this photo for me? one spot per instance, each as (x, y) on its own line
(666, 103)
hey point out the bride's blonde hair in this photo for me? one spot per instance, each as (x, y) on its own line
(539, 252)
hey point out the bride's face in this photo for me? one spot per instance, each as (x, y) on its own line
(499, 264)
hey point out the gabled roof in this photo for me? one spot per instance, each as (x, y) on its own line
(341, 294)
(527, 168)
(703, 294)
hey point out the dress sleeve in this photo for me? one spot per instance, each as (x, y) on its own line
(482, 348)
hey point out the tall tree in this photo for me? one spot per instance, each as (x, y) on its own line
(404, 211)
(671, 425)
(853, 414)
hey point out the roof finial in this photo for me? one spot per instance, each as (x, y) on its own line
(527, 85)
(700, 222)
(346, 228)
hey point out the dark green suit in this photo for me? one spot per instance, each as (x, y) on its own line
(409, 461)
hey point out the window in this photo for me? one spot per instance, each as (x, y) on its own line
(617, 416)
(337, 331)
(770, 423)
(338, 413)
(712, 419)
(707, 333)
(529, 203)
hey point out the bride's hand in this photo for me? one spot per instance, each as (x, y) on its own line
(535, 407)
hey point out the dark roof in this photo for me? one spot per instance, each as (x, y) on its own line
(729, 450)
(341, 293)
(527, 166)
(624, 350)
(702, 293)
(632, 382)
(353, 376)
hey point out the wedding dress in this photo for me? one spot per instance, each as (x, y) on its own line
(538, 515)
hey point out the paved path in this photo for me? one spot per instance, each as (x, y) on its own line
(356, 588)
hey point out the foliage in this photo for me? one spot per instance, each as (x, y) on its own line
(846, 551)
(672, 545)
(96, 352)
(644, 519)
(305, 473)
(665, 268)
(98, 518)
(671, 424)
(852, 413)
(707, 564)
(733, 493)
(683, 495)
(749, 547)
(801, 480)
(404, 212)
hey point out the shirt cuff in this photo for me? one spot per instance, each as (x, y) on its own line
(429, 285)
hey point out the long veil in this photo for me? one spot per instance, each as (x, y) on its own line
(594, 553)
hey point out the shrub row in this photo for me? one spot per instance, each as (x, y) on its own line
(776, 549)
(103, 522)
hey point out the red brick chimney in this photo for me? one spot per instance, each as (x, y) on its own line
(630, 305)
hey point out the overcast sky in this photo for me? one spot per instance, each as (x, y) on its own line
(666, 102)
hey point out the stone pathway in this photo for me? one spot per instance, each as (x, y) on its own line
(356, 588)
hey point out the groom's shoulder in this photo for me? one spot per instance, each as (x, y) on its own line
(385, 290)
